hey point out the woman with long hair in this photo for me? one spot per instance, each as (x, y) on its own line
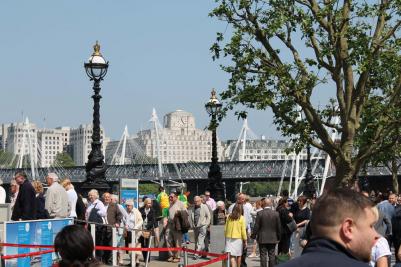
(235, 233)
(285, 219)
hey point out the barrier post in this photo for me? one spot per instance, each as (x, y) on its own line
(114, 244)
(148, 254)
(185, 255)
(133, 245)
(93, 233)
(228, 262)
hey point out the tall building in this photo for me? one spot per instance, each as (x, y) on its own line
(50, 143)
(22, 140)
(261, 149)
(3, 135)
(80, 143)
(180, 140)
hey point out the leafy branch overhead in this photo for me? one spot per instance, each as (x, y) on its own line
(282, 51)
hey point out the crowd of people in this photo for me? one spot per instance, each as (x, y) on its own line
(342, 228)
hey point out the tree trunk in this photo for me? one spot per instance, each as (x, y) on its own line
(394, 175)
(345, 172)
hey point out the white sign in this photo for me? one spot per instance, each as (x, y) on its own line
(129, 183)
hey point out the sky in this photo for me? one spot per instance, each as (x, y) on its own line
(158, 53)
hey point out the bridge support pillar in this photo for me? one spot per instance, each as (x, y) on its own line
(231, 190)
(196, 188)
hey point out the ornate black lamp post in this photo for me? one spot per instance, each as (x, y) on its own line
(96, 69)
(309, 185)
(215, 184)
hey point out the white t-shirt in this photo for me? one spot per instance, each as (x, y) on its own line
(72, 198)
(380, 249)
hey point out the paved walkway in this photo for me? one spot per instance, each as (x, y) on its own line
(154, 262)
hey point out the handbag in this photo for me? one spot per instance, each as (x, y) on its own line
(281, 258)
(292, 226)
(146, 234)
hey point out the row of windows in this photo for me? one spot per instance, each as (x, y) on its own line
(54, 147)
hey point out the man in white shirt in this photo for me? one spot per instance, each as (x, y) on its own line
(96, 212)
(14, 188)
(134, 222)
(72, 196)
(2, 193)
(56, 198)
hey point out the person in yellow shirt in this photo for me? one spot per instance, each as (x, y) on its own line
(235, 233)
(162, 199)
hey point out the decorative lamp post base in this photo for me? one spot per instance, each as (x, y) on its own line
(215, 185)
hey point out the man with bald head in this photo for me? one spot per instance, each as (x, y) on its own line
(200, 219)
(267, 232)
(343, 231)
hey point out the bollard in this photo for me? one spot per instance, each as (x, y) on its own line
(93, 233)
(114, 244)
(133, 245)
(148, 255)
(228, 262)
(185, 255)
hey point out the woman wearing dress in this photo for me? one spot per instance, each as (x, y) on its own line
(301, 217)
(235, 233)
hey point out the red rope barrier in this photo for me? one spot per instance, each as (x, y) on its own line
(221, 258)
(25, 245)
(203, 253)
(137, 249)
(24, 255)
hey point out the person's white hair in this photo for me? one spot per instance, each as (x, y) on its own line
(53, 176)
(129, 202)
(94, 192)
(220, 203)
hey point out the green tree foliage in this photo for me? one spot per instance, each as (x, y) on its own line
(148, 189)
(256, 189)
(281, 51)
(7, 159)
(63, 160)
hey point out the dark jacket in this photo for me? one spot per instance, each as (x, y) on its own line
(267, 229)
(41, 211)
(285, 219)
(151, 218)
(324, 252)
(113, 214)
(25, 204)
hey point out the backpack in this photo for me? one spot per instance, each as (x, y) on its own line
(184, 220)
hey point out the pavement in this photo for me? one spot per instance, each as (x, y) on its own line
(155, 262)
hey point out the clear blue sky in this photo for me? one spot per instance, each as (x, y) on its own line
(158, 53)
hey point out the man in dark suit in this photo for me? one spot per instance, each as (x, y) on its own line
(25, 207)
(113, 218)
(267, 231)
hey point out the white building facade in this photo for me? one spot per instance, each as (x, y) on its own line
(180, 140)
(22, 140)
(262, 149)
(80, 142)
(50, 143)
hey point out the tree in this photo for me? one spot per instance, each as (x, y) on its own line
(282, 51)
(7, 159)
(63, 160)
